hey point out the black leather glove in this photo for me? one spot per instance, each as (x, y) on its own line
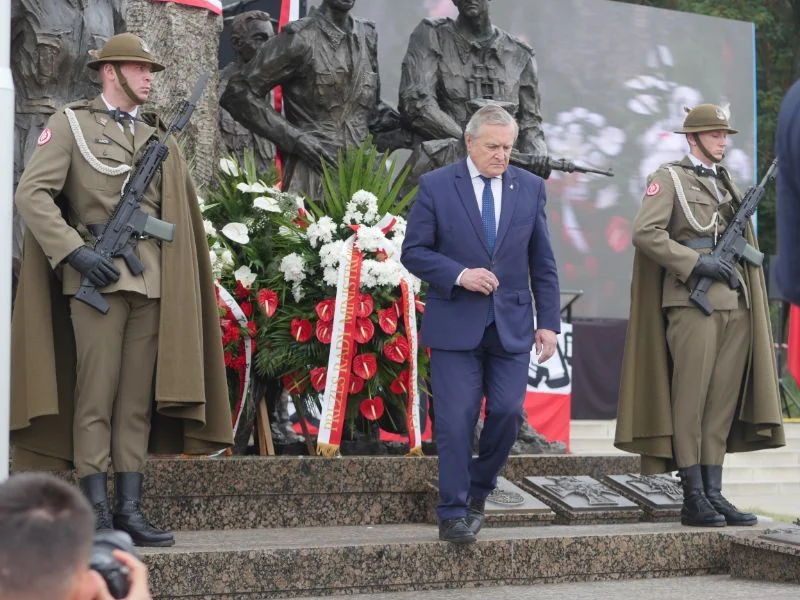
(98, 269)
(711, 266)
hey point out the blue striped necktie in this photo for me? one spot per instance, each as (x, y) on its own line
(490, 228)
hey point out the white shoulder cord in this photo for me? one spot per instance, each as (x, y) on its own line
(687, 212)
(87, 154)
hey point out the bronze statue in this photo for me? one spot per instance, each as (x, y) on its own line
(249, 31)
(327, 67)
(50, 43)
(452, 68)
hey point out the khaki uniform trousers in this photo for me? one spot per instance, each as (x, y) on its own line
(116, 359)
(709, 356)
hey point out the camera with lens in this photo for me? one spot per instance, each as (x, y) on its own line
(102, 560)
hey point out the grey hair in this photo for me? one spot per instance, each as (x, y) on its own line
(491, 114)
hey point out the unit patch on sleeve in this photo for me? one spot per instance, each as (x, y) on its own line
(653, 189)
(44, 137)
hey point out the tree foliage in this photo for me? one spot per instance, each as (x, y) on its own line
(777, 25)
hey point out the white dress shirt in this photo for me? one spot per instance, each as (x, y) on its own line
(132, 113)
(699, 163)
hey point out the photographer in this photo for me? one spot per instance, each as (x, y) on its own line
(46, 541)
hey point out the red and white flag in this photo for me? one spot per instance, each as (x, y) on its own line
(214, 6)
(793, 339)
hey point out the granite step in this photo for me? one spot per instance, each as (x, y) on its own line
(768, 555)
(256, 492)
(322, 561)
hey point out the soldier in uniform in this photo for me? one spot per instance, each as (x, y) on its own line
(693, 386)
(85, 393)
(327, 67)
(452, 68)
(249, 31)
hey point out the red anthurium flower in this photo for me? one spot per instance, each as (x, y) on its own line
(301, 330)
(325, 309)
(372, 408)
(387, 320)
(247, 309)
(268, 301)
(242, 292)
(233, 333)
(398, 307)
(251, 327)
(365, 366)
(301, 220)
(228, 359)
(294, 383)
(400, 385)
(356, 384)
(364, 305)
(364, 330)
(324, 331)
(381, 255)
(419, 304)
(318, 377)
(397, 350)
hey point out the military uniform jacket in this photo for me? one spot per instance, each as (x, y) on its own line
(644, 416)
(61, 193)
(435, 95)
(663, 222)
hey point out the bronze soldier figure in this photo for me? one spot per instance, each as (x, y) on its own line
(249, 31)
(327, 67)
(694, 387)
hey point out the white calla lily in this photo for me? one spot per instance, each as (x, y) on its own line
(229, 167)
(245, 276)
(266, 203)
(252, 188)
(236, 232)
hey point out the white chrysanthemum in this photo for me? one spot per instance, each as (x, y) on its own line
(399, 228)
(266, 203)
(236, 232)
(379, 274)
(298, 292)
(245, 276)
(321, 232)
(362, 208)
(226, 257)
(216, 264)
(209, 227)
(293, 268)
(330, 275)
(229, 167)
(370, 239)
(330, 254)
(252, 188)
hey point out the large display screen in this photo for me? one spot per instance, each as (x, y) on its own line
(614, 79)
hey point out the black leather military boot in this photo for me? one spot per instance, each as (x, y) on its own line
(456, 531)
(697, 511)
(475, 514)
(94, 487)
(712, 484)
(128, 515)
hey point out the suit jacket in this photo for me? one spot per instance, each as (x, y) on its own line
(787, 147)
(87, 196)
(660, 226)
(445, 236)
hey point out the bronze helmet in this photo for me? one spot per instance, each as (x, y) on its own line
(123, 47)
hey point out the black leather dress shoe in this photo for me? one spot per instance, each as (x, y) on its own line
(475, 514)
(456, 531)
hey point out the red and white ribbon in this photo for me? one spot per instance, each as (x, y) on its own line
(412, 410)
(244, 385)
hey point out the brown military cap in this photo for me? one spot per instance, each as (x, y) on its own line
(706, 117)
(123, 47)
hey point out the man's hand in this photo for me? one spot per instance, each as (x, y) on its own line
(711, 266)
(137, 577)
(100, 270)
(482, 281)
(546, 341)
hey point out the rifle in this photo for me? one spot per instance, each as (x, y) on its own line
(528, 162)
(732, 245)
(129, 223)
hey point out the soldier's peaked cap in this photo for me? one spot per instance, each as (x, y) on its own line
(123, 47)
(706, 117)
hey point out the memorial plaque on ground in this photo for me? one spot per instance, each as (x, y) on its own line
(507, 506)
(583, 499)
(785, 535)
(659, 495)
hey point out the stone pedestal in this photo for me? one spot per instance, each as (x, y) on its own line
(186, 40)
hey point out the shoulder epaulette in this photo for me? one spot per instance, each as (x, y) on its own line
(77, 105)
(295, 26)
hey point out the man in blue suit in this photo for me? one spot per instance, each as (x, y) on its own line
(477, 234)
(787, 147)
